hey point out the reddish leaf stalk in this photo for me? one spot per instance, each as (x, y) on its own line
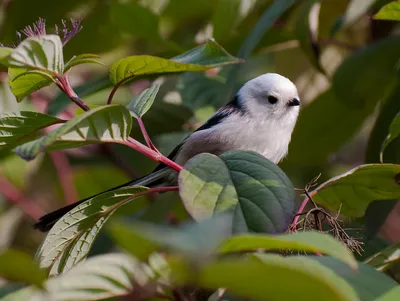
(65, 175)
(65, 86)
(146, 135)
(11, 193)
(300, 211)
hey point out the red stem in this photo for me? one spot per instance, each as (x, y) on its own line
(11, 193)
(66, 87)
(146, 135)
(112, 93)
(65, 175)
(301, 209)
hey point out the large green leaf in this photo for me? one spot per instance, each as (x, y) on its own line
(306, 30)
(367, 282)
(367, 75)
(17, 127)
(142, 103)
(104, 124)
(4, 54)
(256, 190)
(268, 277)
(390, 11)
(300, 241)
(18, 266)
(385, 258)
(351, 192)
(202, 57)
(70, 239)
(100, 277)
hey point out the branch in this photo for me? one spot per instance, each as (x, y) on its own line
(112, 93)
(11, 193)
(66, 87)
(65, 175)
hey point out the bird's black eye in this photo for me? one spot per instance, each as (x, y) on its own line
(272, 99)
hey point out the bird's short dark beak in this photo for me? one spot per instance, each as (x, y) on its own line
(294, 102)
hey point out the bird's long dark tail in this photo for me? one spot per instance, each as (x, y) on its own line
(46, 222)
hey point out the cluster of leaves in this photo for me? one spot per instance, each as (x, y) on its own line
(235, 198)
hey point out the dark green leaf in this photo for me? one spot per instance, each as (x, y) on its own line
(394, 132)
(390, 11)
(203, 57)
(300, 241)
(392, 295)
(15, 127)
(26, 84)
(18, 266)
(133, 18)
(142, 103)
(384, 259)
(306, 30)
(82, 59)
(9, 289)
(351, 192)
(261, 277)
(256, 190)
(367, 282)
(358, 86)
(39, 52)
(226, 16)
(70, 239)
(104, 124)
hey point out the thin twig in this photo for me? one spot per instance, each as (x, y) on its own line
(112, 93)
(146, 135)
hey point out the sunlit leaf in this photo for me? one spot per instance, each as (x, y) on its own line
(351, 192)
(100, 277)
(256, 190)
(20, 267)
(4, 54)
(142, 103)
(384, 259)
(392, 295)
(306, 30)
(70, 239)
(39, 52)
(390, 11)
(17, 127)
(82, 59)
(300, 241)
(202, 57)
(104, 124)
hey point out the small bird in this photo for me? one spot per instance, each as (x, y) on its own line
(261, 118)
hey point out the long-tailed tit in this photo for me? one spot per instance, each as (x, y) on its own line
(260, 118)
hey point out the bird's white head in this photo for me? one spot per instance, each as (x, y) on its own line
(271, 95)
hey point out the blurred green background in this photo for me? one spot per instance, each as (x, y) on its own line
(341, 59)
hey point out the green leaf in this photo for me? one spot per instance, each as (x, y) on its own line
(18, 266)
(22, 86)
(351, 192)
(104, 124)
(359, 86)
(142, 103)
(133, 18)
(82, 59)
(256, 190)
(386, 258)
(200, 58)
(70, 239)
(367, 282)
(4, 55)
(99, 278)
(300, 241)
(261, 277)
(16, 127)
(394, 132)
(392, 295)
(306, 30)
(39, 52)
(390, 11)
(193, 240)
(356, 9)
